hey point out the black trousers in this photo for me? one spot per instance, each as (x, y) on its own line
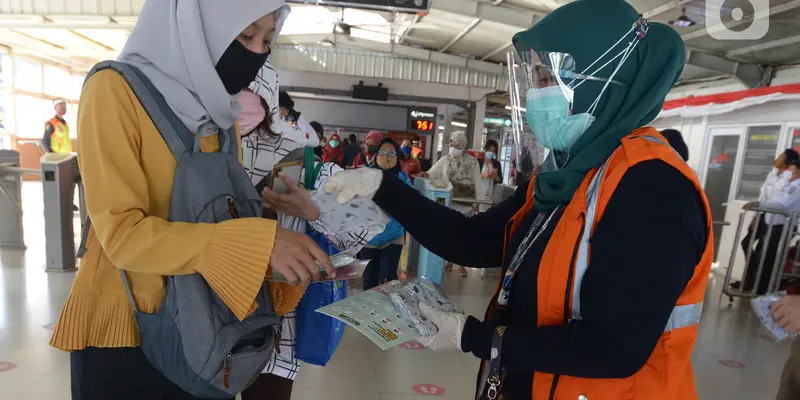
(758, 232)
(269, 387)
(119, 374)
(771, 251)
(382, 266)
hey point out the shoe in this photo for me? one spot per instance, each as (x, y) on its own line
(75, 208)
(462, 271)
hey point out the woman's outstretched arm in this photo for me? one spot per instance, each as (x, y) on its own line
(470, 241)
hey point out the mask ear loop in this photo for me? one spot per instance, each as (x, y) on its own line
(603, 55)
(627, 52)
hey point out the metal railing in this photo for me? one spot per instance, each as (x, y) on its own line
(787, 232)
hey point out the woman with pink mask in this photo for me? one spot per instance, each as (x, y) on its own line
(266, 139)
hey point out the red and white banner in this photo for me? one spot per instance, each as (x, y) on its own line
(722, 103)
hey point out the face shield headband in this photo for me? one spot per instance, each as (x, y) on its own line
(542, 87)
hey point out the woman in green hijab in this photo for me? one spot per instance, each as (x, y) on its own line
(605, 263)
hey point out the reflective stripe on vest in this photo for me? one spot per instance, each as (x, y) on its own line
(681, 317)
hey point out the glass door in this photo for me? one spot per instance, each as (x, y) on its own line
(720, 167)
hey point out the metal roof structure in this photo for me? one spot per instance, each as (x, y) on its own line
(456, 42)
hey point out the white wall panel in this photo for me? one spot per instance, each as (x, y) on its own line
(354, 115)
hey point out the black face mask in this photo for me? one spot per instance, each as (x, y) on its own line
(239, 66)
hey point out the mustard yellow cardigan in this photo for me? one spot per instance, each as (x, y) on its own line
(127, 170)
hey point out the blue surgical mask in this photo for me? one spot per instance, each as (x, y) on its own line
(406, 150)
(490, 155)
(547, 112)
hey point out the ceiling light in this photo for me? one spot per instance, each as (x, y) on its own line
(458, 124)
(441, 127)
(508, 108)
(683, 21)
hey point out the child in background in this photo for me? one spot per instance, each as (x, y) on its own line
(384, 250)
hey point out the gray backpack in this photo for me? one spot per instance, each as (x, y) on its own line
(194, 339)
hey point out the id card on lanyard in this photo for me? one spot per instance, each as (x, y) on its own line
(538, 226)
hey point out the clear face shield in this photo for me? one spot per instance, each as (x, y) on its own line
(542, 88)
(541, 99)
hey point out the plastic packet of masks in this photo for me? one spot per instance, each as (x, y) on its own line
(351, 225)
(406, 297)
(763, 306)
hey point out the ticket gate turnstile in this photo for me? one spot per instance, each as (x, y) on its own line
(59, 177)
(430, 265)
(11, 233)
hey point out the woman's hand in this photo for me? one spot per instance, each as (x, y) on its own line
(423, 175)
(295, 256)
(450, 325)
(787, 313)
(296, 203)
(362, 182)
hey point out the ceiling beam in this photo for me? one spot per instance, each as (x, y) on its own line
(461, 34)
(522, 19)
(752, 75)
(702, 32)
(410, 28)
(495, 51)
(665, 8)
(401, 50)
(71, 22)
(787, 41)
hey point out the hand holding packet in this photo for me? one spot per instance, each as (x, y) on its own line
(346, 265)
(763, 307)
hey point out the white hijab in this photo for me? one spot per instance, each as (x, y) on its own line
(177, 44)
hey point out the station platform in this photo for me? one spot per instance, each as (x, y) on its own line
(733, 358)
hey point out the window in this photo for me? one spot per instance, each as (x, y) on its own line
(57, 82)
(6, 112)
(77, 85)
(27, 75)
(5, 70)
(72, 120)
(759, 156)
(29, 117)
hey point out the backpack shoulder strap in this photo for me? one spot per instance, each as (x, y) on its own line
(171, 128)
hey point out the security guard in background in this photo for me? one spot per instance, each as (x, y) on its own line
(56, 132)
(787, 200)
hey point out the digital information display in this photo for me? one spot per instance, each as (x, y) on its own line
(406, 6)
(759, 156)
(422, 119)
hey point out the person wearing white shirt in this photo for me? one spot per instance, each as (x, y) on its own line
(789, 201)
(776, 180)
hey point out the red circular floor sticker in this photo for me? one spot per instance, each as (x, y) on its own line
(7, 366)
(732, 364)
(428, 389)
(412, 345)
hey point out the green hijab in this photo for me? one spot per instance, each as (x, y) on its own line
(585, 29)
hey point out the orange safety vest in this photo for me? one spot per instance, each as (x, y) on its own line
(667, 375)
(60, 142)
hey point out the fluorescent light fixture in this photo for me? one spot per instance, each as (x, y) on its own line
(441, 127)
(458, 124)
(508, 108)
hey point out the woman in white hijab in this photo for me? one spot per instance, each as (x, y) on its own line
(464, 172)
(198, 54)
